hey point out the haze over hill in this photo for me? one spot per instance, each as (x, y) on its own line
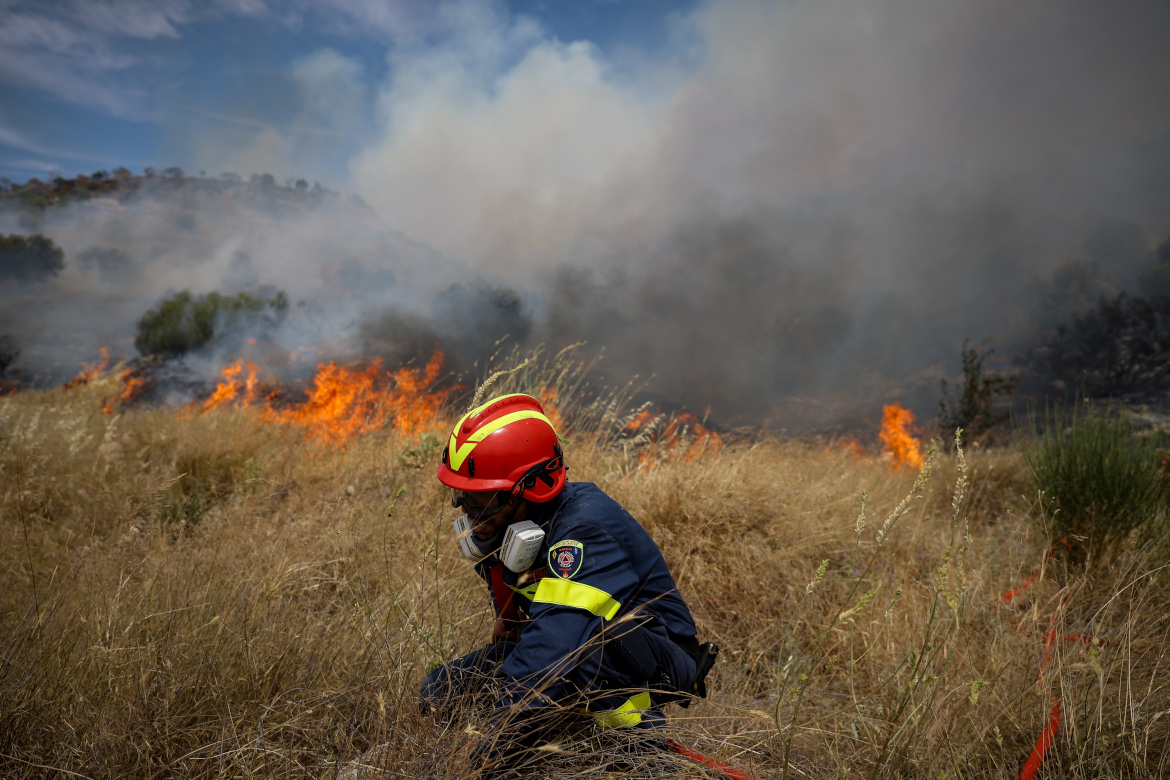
(809, 200)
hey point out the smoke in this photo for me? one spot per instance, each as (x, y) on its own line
(802, 195)
(124, 255)
(798, 200)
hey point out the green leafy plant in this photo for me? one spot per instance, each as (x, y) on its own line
(1101, 482)
(184, 322)
(29, 258)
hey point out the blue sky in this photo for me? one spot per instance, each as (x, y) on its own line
(93, 84)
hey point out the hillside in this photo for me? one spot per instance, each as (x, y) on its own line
(213, 592)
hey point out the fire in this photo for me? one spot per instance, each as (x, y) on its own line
(548, 400)
(235, 386)
(665, 439)
(134, 383)
(640, 420)
(342, 401)
(90, 371)
(897, 439)
(853, 447)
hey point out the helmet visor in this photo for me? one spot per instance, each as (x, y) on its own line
(479, 506)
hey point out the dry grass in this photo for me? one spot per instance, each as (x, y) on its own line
(211, 597)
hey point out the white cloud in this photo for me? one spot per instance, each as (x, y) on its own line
(333, 116)
(34, 165)
(147, 19)
(10, 136)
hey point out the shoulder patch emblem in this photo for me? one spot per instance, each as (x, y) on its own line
(565, 558)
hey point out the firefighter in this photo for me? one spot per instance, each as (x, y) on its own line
(588, 617)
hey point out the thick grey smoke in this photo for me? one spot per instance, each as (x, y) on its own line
(802, 200)
(332, 258)
(810, 194)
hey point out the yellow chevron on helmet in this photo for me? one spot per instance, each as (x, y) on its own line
(496, 443)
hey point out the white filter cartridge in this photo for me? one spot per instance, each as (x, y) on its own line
(523, 544)
(466, 543)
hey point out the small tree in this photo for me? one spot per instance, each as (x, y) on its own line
(31, 258)
(971, 408)
(184, 322)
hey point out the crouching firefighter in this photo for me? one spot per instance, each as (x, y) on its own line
(589, 619)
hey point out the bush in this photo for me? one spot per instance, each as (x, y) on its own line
(971, 408)
(29, 259)
(1100, 481)
(184, 322)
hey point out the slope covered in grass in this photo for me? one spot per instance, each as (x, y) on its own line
(211, 596)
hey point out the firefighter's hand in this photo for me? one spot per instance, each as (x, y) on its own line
(505, 630)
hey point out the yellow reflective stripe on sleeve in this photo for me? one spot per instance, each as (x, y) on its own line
(456, 454)
(567, 593)
(528, 591)
(629, 714)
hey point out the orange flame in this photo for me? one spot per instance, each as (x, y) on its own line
(235, 385)
(89, 371)
(897, 439)
(548, 400)
(342, 401)
(682, 426)
(640, 420)
(134, 384)
(853, 447)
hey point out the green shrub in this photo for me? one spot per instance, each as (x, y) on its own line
(1100, 481)
(29, 258)
(184, 322)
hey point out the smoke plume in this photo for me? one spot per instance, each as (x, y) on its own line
(800, 200)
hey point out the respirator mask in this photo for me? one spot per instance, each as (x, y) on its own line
(517, 546)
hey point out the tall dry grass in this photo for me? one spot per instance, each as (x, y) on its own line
(207, 596)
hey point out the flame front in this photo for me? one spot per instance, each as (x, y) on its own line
(134, 384)
(235, 386)
(342, 401)
(897, 439)
(90, 371)
(665, 435)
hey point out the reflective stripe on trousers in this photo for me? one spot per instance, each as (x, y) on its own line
(627, 715)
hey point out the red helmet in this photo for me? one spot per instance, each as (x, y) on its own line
(506, 444)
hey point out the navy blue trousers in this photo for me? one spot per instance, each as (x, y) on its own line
(605, 688)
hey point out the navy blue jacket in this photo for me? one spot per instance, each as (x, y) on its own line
(599, 564)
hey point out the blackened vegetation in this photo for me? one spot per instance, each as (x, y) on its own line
(973, 407)
(183, 322)
(724, 316)
(1120, 350)
(29, 258)
(1156, 280)
(9, 353)
(468, 322)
